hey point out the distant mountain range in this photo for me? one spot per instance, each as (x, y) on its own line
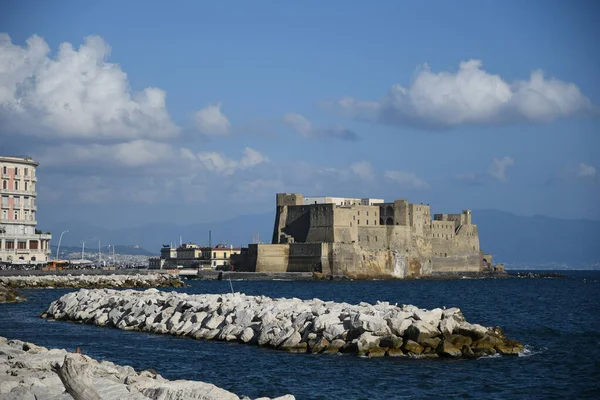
(517, 241)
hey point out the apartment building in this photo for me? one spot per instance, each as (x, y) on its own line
(20, 241)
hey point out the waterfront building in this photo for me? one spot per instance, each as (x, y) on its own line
(190, 255)
(20, 242)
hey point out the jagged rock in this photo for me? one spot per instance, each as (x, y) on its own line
(510, 347)
(459, 341)
(448, 349)
(319, 345)
(399, 326)
(334, 346)
(413, 347)
(474, 331)
(487, 342)
(421, 330)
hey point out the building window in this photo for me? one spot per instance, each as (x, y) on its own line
(16, 170)
(25, 186)
(16, 185)
(4, 200)
(10, 245)
(215, 254)
(359, 213)
(4, 171)
(367, 213)
(26, 171)
(16, 216)
(358, 222)
(4, 184)
(17, 201)
(22, 245)
(367, 222)
(4, 215)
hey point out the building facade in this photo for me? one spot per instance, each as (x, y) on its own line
(20, 241)
(365, 238)
(190, 255)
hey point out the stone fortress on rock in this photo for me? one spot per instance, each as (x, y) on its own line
(366, 238)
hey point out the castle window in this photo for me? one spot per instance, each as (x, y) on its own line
(354, 218)
(445, 254)
(3, 184)
(358, 222)
(375, 238)
(359, 213)
(367, 222)
(367, 213)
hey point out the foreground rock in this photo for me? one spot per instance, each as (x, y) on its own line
(293, 325)
(9, 295)
(93, 281)
(31, 372)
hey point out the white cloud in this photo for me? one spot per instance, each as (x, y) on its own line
(221, 164)
(407, 179)
(211, 121)
(76, 94)
(586, 171)
(470, 96)
(498, 168)
(364, 170)
(304, 127)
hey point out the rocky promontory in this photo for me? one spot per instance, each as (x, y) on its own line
(30, 372)
(92, 281)
(294, 325)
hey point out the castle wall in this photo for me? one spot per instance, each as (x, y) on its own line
(455, 250)
(270, 257)
(308, 257)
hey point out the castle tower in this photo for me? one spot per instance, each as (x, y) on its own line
(283, 201)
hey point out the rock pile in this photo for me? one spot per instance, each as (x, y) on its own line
(30, 372)
(9, 295)
(93, 281)
(294, 325)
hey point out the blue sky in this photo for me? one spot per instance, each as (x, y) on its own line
(199, 111)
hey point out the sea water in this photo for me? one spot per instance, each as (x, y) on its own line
(557, 319)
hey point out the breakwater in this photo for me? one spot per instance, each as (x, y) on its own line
(92, 281)
(293, 325)
(28, 371)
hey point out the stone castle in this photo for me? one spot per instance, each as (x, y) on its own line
(365, 238)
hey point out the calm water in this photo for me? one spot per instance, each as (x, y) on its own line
(558, 320)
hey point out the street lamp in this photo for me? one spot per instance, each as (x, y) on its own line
(59, 240)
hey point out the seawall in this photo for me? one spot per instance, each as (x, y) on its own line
(33, 372)
(294, 325)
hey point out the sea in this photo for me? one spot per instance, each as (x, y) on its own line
(557, 319)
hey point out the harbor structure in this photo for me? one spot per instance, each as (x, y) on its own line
(365, 238)
(20, 242)
(190, 255)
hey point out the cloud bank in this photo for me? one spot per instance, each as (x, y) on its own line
(470, 96)
(76, 94)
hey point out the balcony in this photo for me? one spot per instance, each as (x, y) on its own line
(19, 192)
